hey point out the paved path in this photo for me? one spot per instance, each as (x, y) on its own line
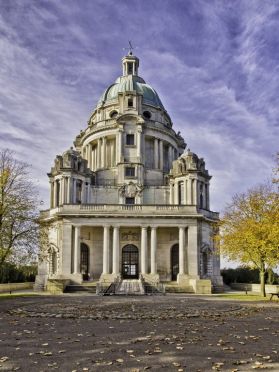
(162, 333)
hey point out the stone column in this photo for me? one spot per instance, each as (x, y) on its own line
(115, 251)
(185, 192)
(173, 154)
(176, 192)
(51, 203)
(193, 250)
(194, 191)
(144, 250)
(89, 159)
(83, 192)
(95, 158)
(156, 160)
(69, 190)
(189, 191)
(161, 149)
(74, 190)
(207, 196)
(119, 150)
(106, 250)
(99, 151)
(55, 194)
(112, 153)
(181, 250)
(153, 270)
(77, 250)
(103, 156)
(62, 191)
(139, 131)
(170, 156)
(171, 193)
(66, 261)
(88, 193)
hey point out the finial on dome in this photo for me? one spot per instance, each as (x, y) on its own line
(130, 62)
(130, 48)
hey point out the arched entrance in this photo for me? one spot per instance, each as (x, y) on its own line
(84, 261)
(130, 262)
(174, 261)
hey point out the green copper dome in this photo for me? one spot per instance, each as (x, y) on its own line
(130, 83)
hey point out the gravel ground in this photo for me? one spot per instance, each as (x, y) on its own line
(163, 333)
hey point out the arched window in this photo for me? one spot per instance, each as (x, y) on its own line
(201, 196)
(205, 263)
(113, 114)
(147, 114)
(201, 201)
(206, 259)
(174, 261)
(52, 261)
(84, 261)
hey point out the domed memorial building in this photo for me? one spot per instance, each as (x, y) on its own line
(128, 202)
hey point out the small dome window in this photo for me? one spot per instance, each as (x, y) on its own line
(113, 114)
(147, 114)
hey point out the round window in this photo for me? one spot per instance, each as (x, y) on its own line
(147, 114)
(113, 114)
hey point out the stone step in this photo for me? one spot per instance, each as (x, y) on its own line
(80, 288)
(177, 289)
(130, 287)
(217, 289)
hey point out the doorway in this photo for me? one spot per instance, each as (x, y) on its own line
(84, 261)
(130, 262)
(174, 261)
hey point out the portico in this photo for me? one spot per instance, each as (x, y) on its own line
(154, 250)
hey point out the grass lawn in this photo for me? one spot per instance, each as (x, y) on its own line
(246, 297)
(12, 295)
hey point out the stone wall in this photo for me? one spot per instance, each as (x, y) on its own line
(252, 287)
(7, 287)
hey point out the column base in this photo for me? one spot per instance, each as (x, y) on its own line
(109, 278)
(151, 278)
(183, 279)
(40, 282)
(201, 286)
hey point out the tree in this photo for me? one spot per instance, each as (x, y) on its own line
(18, 210)
(250, 229)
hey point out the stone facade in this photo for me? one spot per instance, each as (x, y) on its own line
(128, 200)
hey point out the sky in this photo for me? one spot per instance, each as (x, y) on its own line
(214, 64)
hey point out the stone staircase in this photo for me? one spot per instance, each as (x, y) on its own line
(220, 288)
(130, 287)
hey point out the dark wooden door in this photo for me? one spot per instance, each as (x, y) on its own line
(174, 262)
(84, 261)
(130, 262)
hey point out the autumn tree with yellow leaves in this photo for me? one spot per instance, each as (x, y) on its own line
(249, 229)
(18, 210)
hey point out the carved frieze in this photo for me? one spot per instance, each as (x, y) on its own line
(130, 236)
(130, 190)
